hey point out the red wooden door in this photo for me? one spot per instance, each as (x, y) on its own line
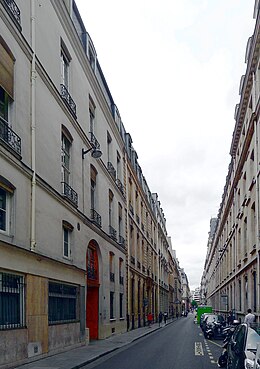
(92, 312)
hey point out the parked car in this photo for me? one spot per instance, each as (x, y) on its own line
(242, 347)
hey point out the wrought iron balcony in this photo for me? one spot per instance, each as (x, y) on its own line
(120, 186)
(69, 193)
(112, 277)
(9, 137)
(14, 11)
(121, 241)
(94, 141)
(95, 217)
(112, 233)
(111, 170)
(68, 100)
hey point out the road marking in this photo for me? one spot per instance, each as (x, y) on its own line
(198, 349)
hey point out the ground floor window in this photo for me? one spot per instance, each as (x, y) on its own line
(63, 303)
(121, 297)
(11, 301)
(112, 305)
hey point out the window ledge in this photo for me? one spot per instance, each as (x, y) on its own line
(112, 319)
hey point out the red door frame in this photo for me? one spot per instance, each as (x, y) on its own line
(92, 298)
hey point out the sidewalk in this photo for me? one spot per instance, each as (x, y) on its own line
(78, 357)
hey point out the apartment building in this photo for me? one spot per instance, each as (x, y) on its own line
(83, 241)
(231, 276)
(62, 193)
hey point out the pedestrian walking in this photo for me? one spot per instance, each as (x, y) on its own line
(249, 318)
(150, 319)
(165, 317)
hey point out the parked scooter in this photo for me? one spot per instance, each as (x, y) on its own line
(222, 360)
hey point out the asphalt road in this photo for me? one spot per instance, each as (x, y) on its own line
(179, 345)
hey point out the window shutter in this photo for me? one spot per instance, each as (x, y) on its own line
(6, 69)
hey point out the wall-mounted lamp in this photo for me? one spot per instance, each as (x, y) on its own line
(95, 152)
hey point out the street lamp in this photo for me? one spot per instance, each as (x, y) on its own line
(95, 152)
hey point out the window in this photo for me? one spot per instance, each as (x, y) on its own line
(121, 299)
(111, 266)
(120, 219)
(121, 272)
(6, 195)
(110, 208)
(11, 301)
(112, 316)
(92, 264)
(92, 109)
(67, 235)
(62, 302)
(4, 99)
(93, 179)
(65, 157)
(65, 61)
(109, 141)
(4, 210)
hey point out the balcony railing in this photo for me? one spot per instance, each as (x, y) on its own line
(120, 186)
(112, 233)
(94, 141)
(9, 137)
(95, 217)
(68, 100)
(111, 170)
(69, 193)
(14, 11)
(121, 241)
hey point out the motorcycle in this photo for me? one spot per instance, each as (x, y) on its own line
(214, 330)
(222, 360)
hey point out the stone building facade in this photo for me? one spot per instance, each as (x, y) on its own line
(79, 244)
(231, 275)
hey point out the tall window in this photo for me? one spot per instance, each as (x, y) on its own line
(67, 236)
(62, 303)
(110, 208)
(120, 220)
(4, 210)
(92, 109)
(109, 141)
(112, 266)
(121, 299)
(11, 301)
(6, 195)
(65, 61)
(65, 158)
(112, 312)
(118, 165)
(93, 178)
(121, 271)
(6, 79)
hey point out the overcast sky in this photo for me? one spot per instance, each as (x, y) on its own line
(173, 68)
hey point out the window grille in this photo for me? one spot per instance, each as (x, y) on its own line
(11, 301)
(62, 303)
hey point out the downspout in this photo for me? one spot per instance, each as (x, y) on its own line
(255, 97)
(33, 127)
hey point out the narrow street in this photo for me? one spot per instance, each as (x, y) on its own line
(179, 345)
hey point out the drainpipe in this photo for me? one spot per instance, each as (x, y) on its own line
(257, 216)
(33, 127)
